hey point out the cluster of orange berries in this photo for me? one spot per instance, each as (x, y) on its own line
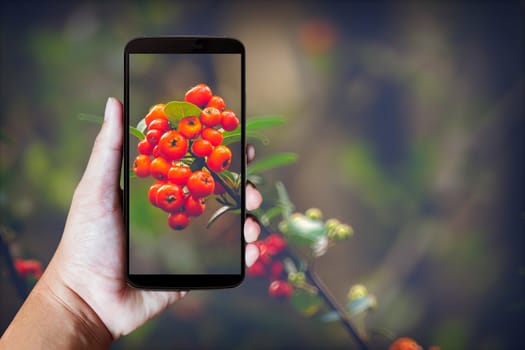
(267, 265)
(168, 150)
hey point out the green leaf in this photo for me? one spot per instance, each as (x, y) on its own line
(132, 174)
(142, 125)
(273, 161)
(228, 139)
(137, 133)
(253, 125)
(284, 200)
(251, 136)
(303, 230)
(256, 179)
(306, 303)
(176, 110)
(230, 177)
(270, 214)
(218, 213)
(262, 122)
(91, 118)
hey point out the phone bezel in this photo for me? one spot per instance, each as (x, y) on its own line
(193, 45)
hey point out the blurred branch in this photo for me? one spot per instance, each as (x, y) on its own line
(330, 300)
(20, 283)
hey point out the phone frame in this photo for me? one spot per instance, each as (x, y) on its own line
(184, 45)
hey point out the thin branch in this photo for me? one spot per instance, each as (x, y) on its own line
(329, 299)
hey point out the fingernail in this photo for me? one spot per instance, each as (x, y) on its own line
(252, 230)
(253, 199)
(183, 294)
(252, 253)
(251, 184)
(250, 152)
(109, 107)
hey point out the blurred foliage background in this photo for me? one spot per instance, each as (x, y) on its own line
(408, 119)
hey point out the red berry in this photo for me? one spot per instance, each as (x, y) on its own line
(144, 147)
(276, 269)
(173, 145)
(178, 221)
(229, 120)
(159, 168)
(194, 206)
(28, 267)
(170, 198)
(264, 255)
(201, 148)
(405, 344)
(156, 152)
(280, 289)
(160, 124)
(276, 243)
(216, 102)
(190, 127)
(212, 135)
(256, 270)
(156, 112)
(219, 159)
(179, 174)
(152, 192)
(210, 116)
(201, 184)
(153, 136)
(199, 95)
(142, 165)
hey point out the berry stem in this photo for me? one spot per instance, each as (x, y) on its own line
(19, 282)
(329, 299)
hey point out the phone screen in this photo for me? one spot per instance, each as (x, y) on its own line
(185, 163)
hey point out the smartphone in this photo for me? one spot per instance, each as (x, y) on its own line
(184, 162)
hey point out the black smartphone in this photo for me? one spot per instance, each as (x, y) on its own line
(184, 162)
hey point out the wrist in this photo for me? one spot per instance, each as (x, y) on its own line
(55, 317)
(80, 318)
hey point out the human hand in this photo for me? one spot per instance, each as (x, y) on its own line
(87, 273)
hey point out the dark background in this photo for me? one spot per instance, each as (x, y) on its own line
(409, 122)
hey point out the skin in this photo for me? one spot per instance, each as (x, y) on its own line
(82, 300)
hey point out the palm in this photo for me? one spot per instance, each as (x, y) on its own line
(97, 271)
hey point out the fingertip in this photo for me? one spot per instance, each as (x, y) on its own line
(252, 253)
(107, 110)
(112, 128)
(105, 160)
(113, 109)
(253, 197)
(252, 230)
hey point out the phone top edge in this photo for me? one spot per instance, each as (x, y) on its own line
(184, 44)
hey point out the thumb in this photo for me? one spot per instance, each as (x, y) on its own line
(104, 164)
